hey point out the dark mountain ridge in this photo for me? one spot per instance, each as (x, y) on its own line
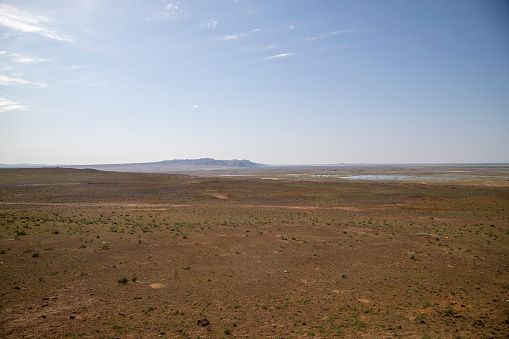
(165, 166)
(176, 165)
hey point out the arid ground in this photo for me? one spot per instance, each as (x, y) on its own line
(267, 253)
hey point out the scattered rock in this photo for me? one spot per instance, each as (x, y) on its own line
(203, 322)
(478, 322)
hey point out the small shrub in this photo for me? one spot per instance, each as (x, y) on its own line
(3, 251)
(227, 331)
(449, 310)
(35, 255)
(116, 326)
(123, 280)
(411, 255)
(148, 309)
(134, 278)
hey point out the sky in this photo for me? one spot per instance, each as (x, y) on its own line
(272, 81)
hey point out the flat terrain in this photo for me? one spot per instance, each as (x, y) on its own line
(268, 253)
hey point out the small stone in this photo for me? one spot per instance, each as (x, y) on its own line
(71, 317)
(203, 322)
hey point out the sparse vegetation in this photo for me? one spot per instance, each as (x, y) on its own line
(123, 280)
(324, 256)
(411, 255)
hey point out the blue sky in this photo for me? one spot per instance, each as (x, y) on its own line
(272, 81)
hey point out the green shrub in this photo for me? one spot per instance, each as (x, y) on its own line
(411, 255)
(449, 310)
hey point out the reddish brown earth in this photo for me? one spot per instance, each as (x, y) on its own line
(120, 255)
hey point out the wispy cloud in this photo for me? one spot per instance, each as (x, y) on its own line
(27, 59)
(278, 56)
(173, 7)
(22, 21)
(303, 24)
(209, 24)
(253, 12)
(9, 105)
(22, 58)
(240, 35)
(330, 34)
(251, 48)
(234, 36)
(6, 81)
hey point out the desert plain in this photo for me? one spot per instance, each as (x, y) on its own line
(416, 252)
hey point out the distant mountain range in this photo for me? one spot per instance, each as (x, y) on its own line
(165, 166)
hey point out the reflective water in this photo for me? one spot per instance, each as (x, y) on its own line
(386, 177)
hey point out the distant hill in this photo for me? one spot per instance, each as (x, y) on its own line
(176, 165)
(23, 166)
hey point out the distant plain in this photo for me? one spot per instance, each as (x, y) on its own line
(286, 252)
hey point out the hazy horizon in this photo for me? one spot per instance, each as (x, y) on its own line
(275, 82)
(265, 164)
